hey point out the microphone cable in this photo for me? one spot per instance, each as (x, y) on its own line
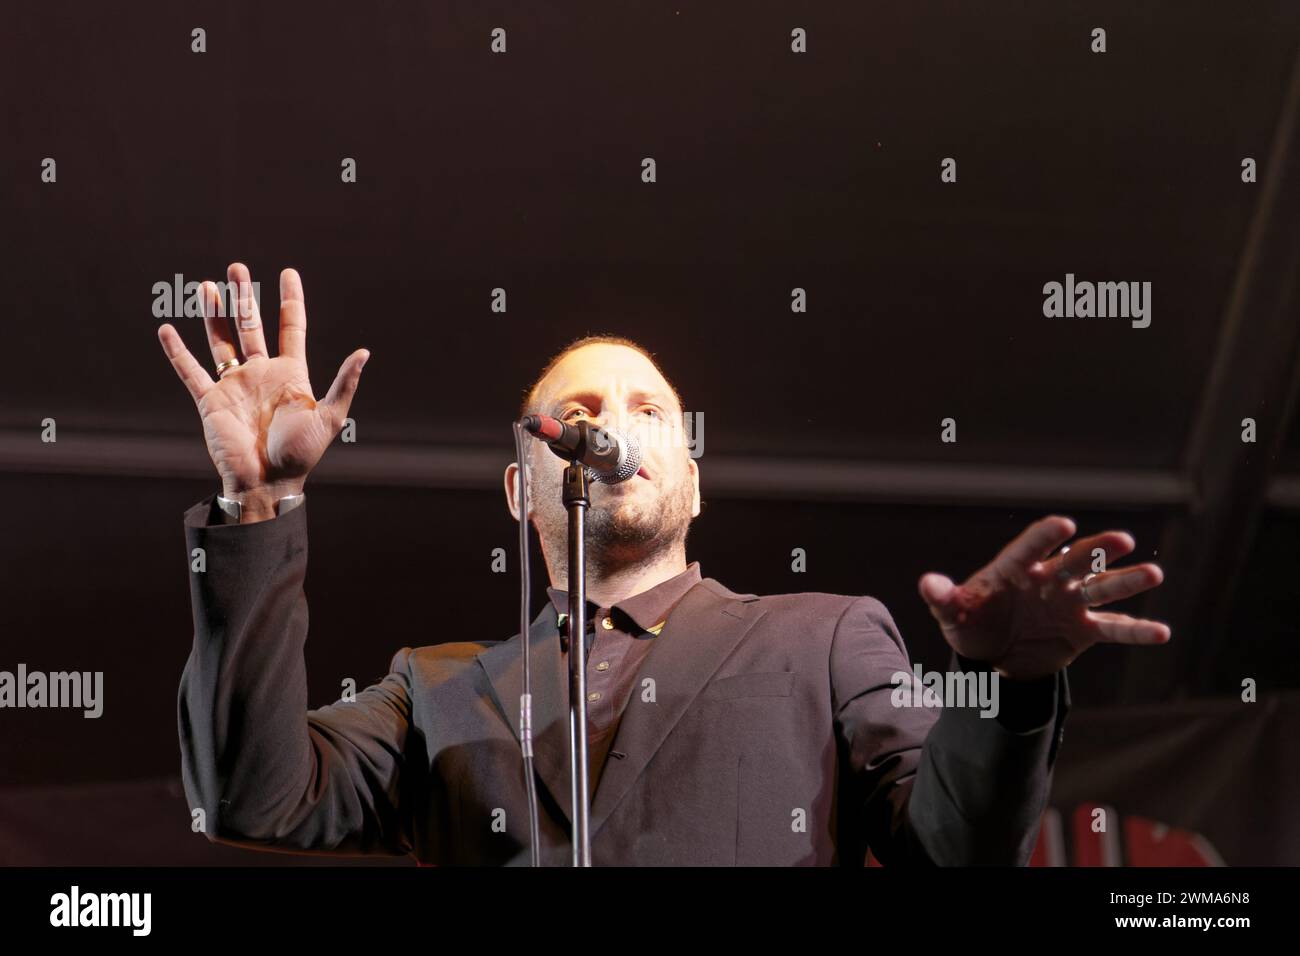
(525, 619)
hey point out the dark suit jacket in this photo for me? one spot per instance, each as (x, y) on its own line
(769, 736)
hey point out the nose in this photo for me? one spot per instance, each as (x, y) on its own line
(619, 421)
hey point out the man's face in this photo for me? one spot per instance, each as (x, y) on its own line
(617, 388)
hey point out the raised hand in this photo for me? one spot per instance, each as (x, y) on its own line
(1028, 612)
(264, 429)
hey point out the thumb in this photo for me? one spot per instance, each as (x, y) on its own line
(338, 399)
(940, 593)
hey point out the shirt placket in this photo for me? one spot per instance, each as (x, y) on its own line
(607, 652)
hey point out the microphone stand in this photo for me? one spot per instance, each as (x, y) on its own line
(577, 500)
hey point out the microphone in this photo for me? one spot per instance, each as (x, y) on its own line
(610, 456)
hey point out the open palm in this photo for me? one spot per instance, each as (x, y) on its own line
(261, 422)
(1029, 612)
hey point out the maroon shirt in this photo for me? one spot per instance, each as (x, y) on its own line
(624, 635)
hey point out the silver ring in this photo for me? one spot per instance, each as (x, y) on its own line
(1083, 589)
(1063, 574)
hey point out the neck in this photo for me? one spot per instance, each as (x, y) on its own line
(607, 585)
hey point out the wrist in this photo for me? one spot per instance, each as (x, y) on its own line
(262, 502)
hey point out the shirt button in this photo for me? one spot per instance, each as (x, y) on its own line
(603, 666)
(607, 624)
(594, 696)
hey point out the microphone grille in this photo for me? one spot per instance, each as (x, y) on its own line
(629, 462)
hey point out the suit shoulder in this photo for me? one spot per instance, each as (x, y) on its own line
(812, 605)
(437, 662)
(821, 603)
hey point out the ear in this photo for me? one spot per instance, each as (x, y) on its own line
(512, 489)
(695, 480)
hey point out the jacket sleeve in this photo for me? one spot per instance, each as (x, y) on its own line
(938, 786)
(266, 771)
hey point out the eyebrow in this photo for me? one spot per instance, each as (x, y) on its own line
(585, 397)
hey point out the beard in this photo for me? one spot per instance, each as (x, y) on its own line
(624, 528)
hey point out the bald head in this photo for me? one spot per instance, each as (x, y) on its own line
(605, 381)
(611, 348)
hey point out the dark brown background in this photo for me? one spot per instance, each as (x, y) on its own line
(774, 171)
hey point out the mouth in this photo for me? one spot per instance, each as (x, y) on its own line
(642, 473)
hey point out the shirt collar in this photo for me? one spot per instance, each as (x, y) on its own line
(647, 610)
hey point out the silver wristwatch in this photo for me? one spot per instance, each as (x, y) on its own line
(236, 508)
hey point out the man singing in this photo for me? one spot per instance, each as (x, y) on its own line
(725, 728)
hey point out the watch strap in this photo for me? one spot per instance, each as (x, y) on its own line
(235, 508)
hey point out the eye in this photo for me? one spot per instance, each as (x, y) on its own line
(651, 411)
(569, 415)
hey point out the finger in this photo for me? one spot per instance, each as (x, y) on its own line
(940, 594)
(248, 315)
(1124, 583)
(338, 399)
(195, 378)
(1079, 560)
(1034, 543)
(293, 316)
(1122, 629)
(217, 324)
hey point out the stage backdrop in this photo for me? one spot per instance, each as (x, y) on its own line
(1198, 783)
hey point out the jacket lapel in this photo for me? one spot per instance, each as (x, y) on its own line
(702, 630)
(504, 665)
